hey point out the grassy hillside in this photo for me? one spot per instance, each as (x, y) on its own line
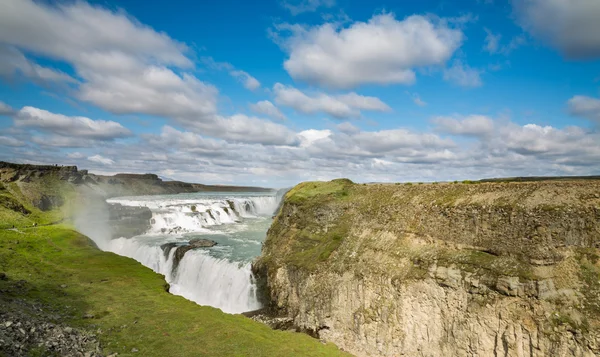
(53, 272)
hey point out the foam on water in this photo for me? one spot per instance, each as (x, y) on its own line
(177, 215)
(220, 276)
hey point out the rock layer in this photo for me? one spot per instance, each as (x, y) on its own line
(489, 269)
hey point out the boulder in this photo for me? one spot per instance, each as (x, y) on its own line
(202, 243)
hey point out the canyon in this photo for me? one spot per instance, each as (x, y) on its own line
(450, 269)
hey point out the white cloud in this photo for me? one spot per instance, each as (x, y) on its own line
(307, 137)
(267, 108)
(492, 41)
(571, 26)
(80, 127)
(243, 129)
(60, 141)
(508, 149)
(339, 106)
(124, 66)
(170, 136)
(75, 155)
(347, 128)
(493, 45)
(151, 90)
(101, 160)
(390, 140)
(472, 125)
(463, 75)
(49, 30)
(247, 80)
(296, 7)
(586, 107)
(382, 50)
(416, 99)
(5, 109)
(9, 141)
(13, 62)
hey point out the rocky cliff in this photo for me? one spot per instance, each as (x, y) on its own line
(481, 269)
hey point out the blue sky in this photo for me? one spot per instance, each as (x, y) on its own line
(282, 91)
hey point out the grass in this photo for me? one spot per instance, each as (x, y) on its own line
(311, 249)
(333, 189)
(129, 302)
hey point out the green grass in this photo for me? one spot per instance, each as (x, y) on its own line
(130, 304)
(311, 249)
(334, 189)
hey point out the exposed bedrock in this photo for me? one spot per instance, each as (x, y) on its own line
(489, 269)
(181, 249)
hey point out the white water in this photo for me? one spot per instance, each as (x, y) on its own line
(219, 276)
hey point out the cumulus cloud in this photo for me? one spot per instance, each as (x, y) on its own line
(383, 50)
(347, 128)
(151, 90)
(498, 148)
(472, 125)
(531, 142)
(49, 30)
(267, 108)
(339, 106)
(463, 75)
(171, 137)
(247, 80)
(571, 26)
(9, 141)
(5, 109)
(125, 66)
(245, 129)
(586, 107)
(101, 160)
(307, 137)
(296, 7)
(13, 62)
(80, 127)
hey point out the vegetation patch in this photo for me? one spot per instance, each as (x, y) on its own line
(311, 249)
(123, 303)
(339, 188)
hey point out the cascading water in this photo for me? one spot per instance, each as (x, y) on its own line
(218, 276)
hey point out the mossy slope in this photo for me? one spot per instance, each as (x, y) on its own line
(63, 270)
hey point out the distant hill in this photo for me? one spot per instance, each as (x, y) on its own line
(38, 181)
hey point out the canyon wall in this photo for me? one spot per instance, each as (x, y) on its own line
(452, 269)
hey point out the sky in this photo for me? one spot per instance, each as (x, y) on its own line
(277, 92)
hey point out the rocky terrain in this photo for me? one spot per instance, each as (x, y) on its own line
(27, 327)
(454, 269)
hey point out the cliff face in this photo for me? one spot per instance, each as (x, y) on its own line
(488, 269)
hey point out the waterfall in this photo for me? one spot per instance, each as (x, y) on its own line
(220, 276)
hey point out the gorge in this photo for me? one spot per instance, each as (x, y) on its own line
(499, 268)
(452, 269)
